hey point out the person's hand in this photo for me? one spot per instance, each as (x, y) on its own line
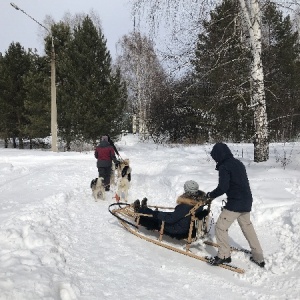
(202, 214)
(208, 198)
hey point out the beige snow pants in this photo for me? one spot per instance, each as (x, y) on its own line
(225, 220)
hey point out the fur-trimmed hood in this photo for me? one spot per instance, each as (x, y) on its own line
(189, 199)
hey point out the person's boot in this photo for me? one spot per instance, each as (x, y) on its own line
(215, 261)
(107, 187)
(260, 264)
(144, 202)
(136, 205)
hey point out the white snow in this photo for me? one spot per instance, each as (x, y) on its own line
(56, 242)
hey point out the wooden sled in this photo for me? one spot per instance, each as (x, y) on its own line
(198, 229)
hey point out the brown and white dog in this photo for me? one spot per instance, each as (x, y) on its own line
(98, 188)
(124, 174)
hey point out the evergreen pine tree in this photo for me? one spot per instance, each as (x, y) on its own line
(15, 66)
(4, 131)
(66, 81)
(221, 74)
(37, 100)
(99, 99)
(282, 73)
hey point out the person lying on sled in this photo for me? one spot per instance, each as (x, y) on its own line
(177, 225)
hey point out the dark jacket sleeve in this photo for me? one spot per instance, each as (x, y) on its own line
(113, 156)
(113, 145)
(116, 150)
(223, 185)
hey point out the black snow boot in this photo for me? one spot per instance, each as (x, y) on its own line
(215, 261)
(144, 202)
(260, 264)
(136, 205)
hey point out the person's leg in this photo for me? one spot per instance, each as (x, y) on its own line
(151, 223)
(250, 234)
(107, 172)
(225, 220)
(101, 172)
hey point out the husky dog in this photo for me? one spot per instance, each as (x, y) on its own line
(122, 164)
(124, 180)
(98, 188)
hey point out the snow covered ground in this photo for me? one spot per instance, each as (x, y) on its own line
(56, 242)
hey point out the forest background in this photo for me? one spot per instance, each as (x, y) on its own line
(198, 89)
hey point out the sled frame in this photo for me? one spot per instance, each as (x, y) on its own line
(127, 212)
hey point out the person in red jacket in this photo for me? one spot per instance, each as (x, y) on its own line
(105, 154)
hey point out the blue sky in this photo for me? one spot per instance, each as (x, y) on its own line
(15, 26)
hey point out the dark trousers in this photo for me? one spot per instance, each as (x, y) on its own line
(151, 223)
(104, 172)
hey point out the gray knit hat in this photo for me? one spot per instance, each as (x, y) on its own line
(191, 187)
(104, 138)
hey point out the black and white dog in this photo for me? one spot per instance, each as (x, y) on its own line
(124, 179)
(98, 188)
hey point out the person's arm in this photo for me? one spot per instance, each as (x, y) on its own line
(113, 145)
(223, 186)
(116, 150)
(113, 156)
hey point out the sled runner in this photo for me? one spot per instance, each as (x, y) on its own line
(130, 219)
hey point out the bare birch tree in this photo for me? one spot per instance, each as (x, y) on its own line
(252, 15)
(142, 72)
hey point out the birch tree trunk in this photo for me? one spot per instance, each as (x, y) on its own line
(252, 15)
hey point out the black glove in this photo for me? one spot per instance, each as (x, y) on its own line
(202, 214)
(117, 163)
(208, 199)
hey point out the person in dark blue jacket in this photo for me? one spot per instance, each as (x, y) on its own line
(233, 181)
(177, 225)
